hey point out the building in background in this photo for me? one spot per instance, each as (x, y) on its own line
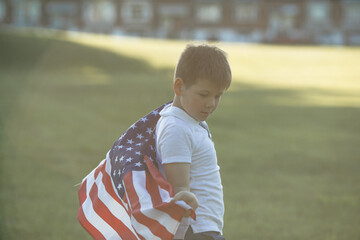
(335, 22)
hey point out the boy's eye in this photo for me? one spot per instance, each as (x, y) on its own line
(203, 94)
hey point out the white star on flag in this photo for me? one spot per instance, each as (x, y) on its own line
(149, 130)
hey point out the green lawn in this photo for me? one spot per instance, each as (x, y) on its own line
(287, 133)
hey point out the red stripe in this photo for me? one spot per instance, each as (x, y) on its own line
(175, 211)
(160, 180)
(152, 188)
(88, 227)
(107, 181)
(101, 209)
(154, 226)
(81, 217)
(172, 209)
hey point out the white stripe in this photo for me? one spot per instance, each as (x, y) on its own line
(143, 230)
(89, 182)
(146, 207)
(164, 194)
(93, 218)
(114, 207)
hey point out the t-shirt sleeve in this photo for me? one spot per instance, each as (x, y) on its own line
(174, 144)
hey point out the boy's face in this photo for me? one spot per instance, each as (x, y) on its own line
(198, 100)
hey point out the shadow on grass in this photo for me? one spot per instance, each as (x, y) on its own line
(26, 53)
(59, 124)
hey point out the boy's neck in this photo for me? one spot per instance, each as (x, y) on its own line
(176, 103)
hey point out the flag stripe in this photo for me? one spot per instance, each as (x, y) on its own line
(166, 190)
(152, 188)
(81, 216)
(96, 220)
(137, 210)
(115, 214)
(148, 207)
(101, 209)
(143, 230)
(155, 173)
(164, 194)
(163, 213)
(93, 231)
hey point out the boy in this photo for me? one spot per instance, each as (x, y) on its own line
(183, 140)
(127, 197)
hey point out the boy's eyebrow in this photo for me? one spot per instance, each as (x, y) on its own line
(208, 91)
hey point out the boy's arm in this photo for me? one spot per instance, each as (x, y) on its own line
(178, 175)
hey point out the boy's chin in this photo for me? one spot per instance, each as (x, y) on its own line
(201, 119)
(204, 116)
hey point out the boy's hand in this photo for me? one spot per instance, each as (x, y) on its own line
(189, 198)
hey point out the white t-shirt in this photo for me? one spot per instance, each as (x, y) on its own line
(182, 139)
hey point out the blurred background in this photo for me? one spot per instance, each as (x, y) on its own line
(335, 22)
(74, 75)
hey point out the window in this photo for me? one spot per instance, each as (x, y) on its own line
(246, 12)
(136, 12)
(209, 13)
(318, 14)
(109, 12)
(352, 14)
(283, 19)
(32, 12)
(2, 11)
(100, 12)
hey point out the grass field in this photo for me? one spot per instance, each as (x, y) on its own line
(287, 132)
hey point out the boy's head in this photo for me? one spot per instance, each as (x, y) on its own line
(203, 62)
(201, 77)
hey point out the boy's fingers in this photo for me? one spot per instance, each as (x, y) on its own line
(187, 213)
(187, 197)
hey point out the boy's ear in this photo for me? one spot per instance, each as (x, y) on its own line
(178, 86)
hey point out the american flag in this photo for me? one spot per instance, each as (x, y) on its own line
(126, 196)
